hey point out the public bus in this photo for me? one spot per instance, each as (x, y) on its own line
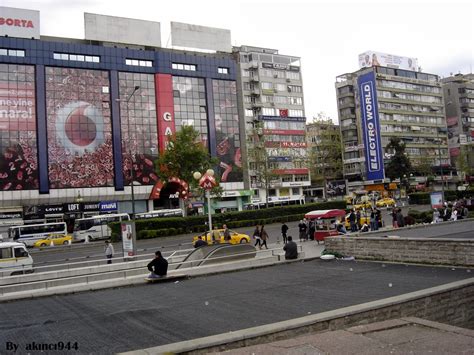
(160, 213)
(96, 227)
(28, 234)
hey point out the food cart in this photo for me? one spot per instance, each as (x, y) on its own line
(325, 222)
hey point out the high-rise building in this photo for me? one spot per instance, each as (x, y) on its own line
(77, 117)
(272, 97)
(459, 106)
(385, 99)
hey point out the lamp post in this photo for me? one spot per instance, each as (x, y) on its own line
(440, 165)
(132, 174)
(207, 182)
(260, 153)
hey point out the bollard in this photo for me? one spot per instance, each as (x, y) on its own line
(87, 239)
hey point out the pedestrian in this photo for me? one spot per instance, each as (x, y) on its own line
(352, 221)
(256, 236)
(373, 220)
(358, 220)
(302, 230)
(364, 228)
(465, 212)
(215, 236)
(291, 249)
(435, 216)
(109, 251)
(200, 243)
(311, 229)
(284, 230)
(400, 218)
(158, 267)
(340, 228)
(378, 217)
(227, 237)
(454, 214)
(394, 218)
(446, 212)
(263, 236)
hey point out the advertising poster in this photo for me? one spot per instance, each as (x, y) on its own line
(139, 127)
(370, 127)
(227, 131)
(18, 152)
(336, 188)
(79, 128)
(127, 238)
(371, 58)
(436, 199)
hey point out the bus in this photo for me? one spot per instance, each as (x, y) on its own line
(28, 234)
(160, 213)
(96, 227)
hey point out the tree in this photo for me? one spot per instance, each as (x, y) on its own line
(325, 156)
(399, 164)
(184, 155)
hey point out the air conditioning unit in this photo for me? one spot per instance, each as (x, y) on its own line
(275, 75)
(272, 103)
(288, 80)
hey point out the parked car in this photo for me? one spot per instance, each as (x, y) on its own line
(362, 205)
(57, 239)
(236, 238)
(363, 219)
(385, 202)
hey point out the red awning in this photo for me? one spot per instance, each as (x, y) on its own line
(325, 214)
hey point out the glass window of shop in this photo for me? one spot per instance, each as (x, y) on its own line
(18, 152)
(138, 127)
(190, 105)
(79, 129)
(227, 130)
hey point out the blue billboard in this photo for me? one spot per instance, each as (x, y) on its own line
(370, 126)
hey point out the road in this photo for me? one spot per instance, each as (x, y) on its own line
(130, 318)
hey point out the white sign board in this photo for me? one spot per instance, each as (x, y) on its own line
(371, 58)
(122, 30)
(20, 23)
(194, 36)
(127, 239)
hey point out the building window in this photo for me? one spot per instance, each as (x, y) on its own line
(248, 112)
(295, 113)
(295, 191)
(295, 100)
(293, 75)
(246, 73)
(139, 63)
(222, 70)
(180, 66)
(268, 111)
(267, 86)
(12, 52)
(76, 57)
(294, 88)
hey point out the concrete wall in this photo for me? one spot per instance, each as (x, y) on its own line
(459, 252)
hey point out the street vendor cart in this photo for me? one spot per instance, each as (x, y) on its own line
(325, 222)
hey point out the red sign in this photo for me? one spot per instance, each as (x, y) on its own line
(290, 171)
(293, 144)
(207, 182)
(164, 108)
(285, 132)
(17, 22)
(284, 113)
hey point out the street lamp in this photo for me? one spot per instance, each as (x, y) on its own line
(132, 174)
(207, 182)
(261, 153)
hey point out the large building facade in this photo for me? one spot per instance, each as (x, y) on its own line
(459, 105)
(77, 116)
(272, 96)
(379, 102)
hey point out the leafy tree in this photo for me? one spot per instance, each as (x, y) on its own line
(399, 164)
(184, 155)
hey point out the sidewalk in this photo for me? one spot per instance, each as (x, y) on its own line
(398, 336)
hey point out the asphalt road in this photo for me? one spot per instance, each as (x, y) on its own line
(130, 318)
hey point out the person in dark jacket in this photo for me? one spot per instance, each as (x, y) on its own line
(200, 243)
(291, 249)
(158, 266)
(400, 218)
(284, 230)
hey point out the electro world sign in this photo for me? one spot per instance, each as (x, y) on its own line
(370, 126)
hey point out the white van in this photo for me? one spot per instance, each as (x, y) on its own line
(15, 259)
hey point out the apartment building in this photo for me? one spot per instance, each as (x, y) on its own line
(388, 97)
(272, 98)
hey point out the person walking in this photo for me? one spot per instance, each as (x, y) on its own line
(358, 223)
(158, 267)
(352, 221)
(256, 236)
(435, 216)
(311, 229)
(302, 229)
(373, 220)
(291, 249)
(109, 251)
(400, 218)
(263, 236)
(394, 217)
(227, 237)
(284, 230)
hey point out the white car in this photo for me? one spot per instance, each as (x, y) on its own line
(15, 259)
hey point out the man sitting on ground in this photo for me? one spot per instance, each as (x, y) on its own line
(158, 266)
(291, 249)
(200, 243)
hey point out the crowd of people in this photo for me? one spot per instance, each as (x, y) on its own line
(451, 211)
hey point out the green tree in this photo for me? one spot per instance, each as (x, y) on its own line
(399, 164)
(184, 155)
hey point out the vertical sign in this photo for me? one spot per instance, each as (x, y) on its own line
(164, 108)
(128, 242)
(370, 126)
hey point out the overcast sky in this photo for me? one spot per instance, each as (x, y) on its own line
(327, 35)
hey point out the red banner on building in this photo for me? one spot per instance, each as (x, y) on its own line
(164, 108)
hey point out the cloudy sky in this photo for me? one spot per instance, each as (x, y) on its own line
(327, 35)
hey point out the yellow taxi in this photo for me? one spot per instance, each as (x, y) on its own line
(364, 218)
(218, 234)
(56, 239)
(385, 202)
(362, 205)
